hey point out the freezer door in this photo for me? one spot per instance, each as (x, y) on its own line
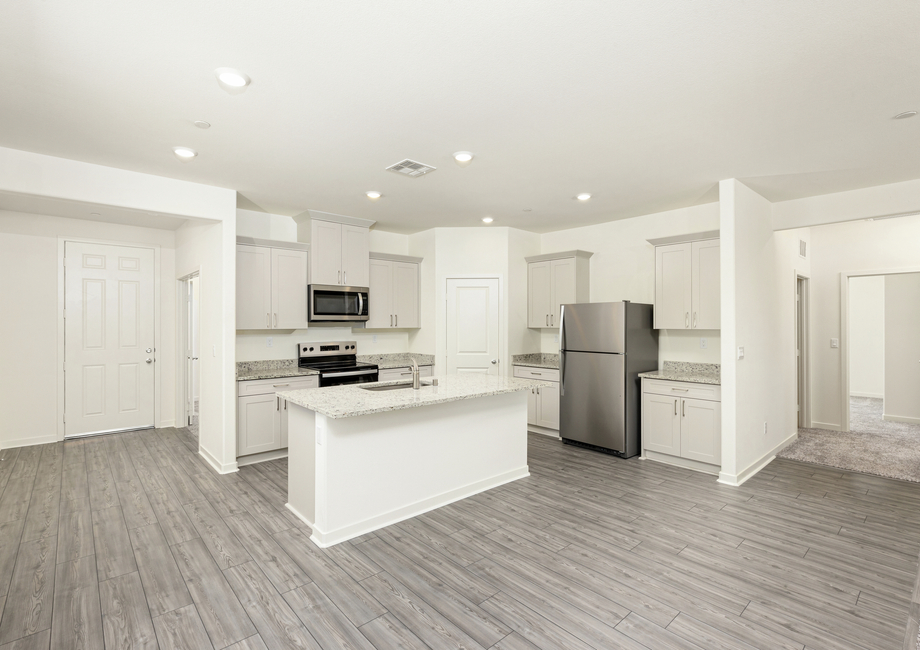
(594, 327)
(592, 402)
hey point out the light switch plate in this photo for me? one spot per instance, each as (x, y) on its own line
(703, 344)
(374, 339)
(835, 343)
(740, 353)
(268, 341)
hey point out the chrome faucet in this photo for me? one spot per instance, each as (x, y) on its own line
(415, 377)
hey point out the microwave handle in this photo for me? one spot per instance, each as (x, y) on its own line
(360, 304)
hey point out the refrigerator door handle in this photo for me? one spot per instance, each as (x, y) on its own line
(561, 373)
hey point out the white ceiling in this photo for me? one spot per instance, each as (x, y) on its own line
(646, 105)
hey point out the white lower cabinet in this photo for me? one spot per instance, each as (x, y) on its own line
(261, 424)
(543, 402)
(396, 374)
(682, 424)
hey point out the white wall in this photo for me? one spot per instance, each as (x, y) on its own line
(262, 225)
(29, 371)
(758, 300)
(857, 246)
(422, 245)
(902, 348)
(867, 336)
(881, 200)
(623, 268)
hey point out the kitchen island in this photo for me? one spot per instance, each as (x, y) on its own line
(360, 459)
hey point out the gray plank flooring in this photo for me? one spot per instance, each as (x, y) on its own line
(132, 541)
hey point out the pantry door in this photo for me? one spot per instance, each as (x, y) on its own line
(472, 326)
(108, 338)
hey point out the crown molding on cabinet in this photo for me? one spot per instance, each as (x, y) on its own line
(680, 239)
(273, 243)
(340, 218)
(556, 256)
(395, 258)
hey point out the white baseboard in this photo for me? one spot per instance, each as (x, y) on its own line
(826, 425)
(220, 468)
(872, 395)
(252, 459)
(324, 539)
(28, 442)
(677, 461)
(752, 469)
(900, 418)
(543, 431)
(167, 424)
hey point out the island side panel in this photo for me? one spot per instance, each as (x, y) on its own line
(302, 462)
(387, 467)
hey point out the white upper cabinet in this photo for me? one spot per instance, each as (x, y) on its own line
(553, 280)
(271, 286)
(687, 287)
(394, 292)
(340, 253)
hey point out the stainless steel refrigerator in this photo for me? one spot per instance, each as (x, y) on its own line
(603, 348)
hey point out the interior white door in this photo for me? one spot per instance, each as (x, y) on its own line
(109, 378)
(472, 326)
(289, 289)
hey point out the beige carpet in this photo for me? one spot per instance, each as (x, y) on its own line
(873, 446)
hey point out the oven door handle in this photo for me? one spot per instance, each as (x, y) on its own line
(331, 375)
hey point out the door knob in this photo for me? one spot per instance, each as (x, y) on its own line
(149, 360)
(149, 350)
(494, 361)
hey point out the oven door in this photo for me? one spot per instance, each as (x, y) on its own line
(329, 302)
(340, 378)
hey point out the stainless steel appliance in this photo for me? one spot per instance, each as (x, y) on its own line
(603, 348)
(334, 303)
(336, 362)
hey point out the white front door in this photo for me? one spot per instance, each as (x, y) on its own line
(472, 326)
(108, 338)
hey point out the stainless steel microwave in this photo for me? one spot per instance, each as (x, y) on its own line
(336, 303)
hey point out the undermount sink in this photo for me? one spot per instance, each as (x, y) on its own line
(375, 388)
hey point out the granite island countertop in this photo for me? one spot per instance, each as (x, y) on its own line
(696, 373)
(271, 369)
(536, 360)
(397, 359)
(351, 401)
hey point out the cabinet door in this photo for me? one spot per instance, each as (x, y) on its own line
(661, 423)
(326, 252)
(562, 286)
(532, 407)
(672, 287)
(701, 431)
(380, 297)
(405, 294)
(539, 294)
(253, 287)
(705, 294)
(258, 424)
(548, 407)
(289, 289)
(355, 256)
(394, 374)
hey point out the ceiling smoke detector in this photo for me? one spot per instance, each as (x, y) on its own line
(410, 168)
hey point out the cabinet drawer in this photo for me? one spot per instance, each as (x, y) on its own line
(264, 386)
(686, 389)
(395, 374)
(528, 372)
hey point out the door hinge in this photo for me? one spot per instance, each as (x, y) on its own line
(65, 314)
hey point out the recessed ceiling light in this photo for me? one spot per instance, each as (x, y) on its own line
(373, 195)
(233, 81)
(463, 158)
(201, 124)
(904, 115)
(487, 219)
(184, 153)
(583, 196)
(94, 214)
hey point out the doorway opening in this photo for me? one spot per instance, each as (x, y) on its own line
(189, 380)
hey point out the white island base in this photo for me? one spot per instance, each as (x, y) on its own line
(349, 476)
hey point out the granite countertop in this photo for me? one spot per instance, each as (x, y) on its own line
(276, 369)
(397, 359)
(536, 360)
(351, 401)
(697, 373)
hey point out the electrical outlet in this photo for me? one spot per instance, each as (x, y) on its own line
(703, 344)
(213, 350)
(740, 353)
(374, 339)
(835, 343)
(764, 428)
(268, 342)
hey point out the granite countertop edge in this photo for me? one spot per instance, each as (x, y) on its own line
(276, 374)
(536, 360)
(673, 376)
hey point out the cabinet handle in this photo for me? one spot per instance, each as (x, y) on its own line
(538, 391)
(552, 320)
(276, 320)
(268, 320)
(279, 385)
(547, 320)
(683, 390)
(694, 320)
(339, 278)
(683, 408)
(675, 407)
(391, 320)
(277, 403)
(396, 319)
(285, 405)
(687, 320)
(344, 277)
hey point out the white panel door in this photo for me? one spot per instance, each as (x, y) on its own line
(355, 251)
(672, 287)
(405, 294)
(472, 326)
(109, 374)
(539, 299)
(289, 289)
(326, 252)
(661, 423)
(563, 286)
(380, 298)
(548, 414)
(701, 431)
(706, 291)
(253, 287)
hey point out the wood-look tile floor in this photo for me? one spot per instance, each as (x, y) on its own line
(132, 541)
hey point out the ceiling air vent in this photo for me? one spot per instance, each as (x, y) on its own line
(802, 248)
(410, 168)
